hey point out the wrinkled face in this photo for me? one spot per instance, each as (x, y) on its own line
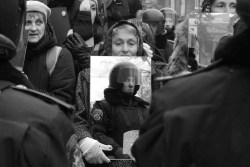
(224, 6)
(168, 24)
(35, 25)
(129, 85)
(124, 43)
(93, 9)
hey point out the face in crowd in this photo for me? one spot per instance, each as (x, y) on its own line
(35, 25)
(124, 41)
(224, 6)
(168, 24)
(93, 9)
(129, 85)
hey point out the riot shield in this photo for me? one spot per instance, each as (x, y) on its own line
(209, 28)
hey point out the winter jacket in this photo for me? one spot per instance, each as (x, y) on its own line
(202, 119)
(34, 127)
(80, 116)
(112, 117)
(61, 82)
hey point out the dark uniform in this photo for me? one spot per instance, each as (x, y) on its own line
(35, 128)
(202, 119)
(117, 114)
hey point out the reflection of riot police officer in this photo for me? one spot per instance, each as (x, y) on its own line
(121, 111)
(34, 129)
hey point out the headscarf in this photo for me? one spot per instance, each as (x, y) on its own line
(107, 47)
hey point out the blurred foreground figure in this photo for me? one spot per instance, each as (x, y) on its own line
(203, 119)
(34, 127)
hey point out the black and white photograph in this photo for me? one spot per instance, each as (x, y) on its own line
(125, 83)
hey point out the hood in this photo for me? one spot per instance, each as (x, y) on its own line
(106, 50)
(113, 96)
(235, 49)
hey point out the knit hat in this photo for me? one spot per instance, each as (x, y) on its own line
(36, 6)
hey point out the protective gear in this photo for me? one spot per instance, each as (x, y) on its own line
(78, 49)
(170, 13)
(154, 18)
(119, 74)
(11, 29)
(92, 151)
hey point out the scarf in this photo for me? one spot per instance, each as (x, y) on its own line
(46, 42)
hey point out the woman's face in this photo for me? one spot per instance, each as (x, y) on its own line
(224, 6)
(93, 9)
(35, 25)
(124, 43)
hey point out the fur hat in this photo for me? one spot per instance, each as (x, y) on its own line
(36, 6)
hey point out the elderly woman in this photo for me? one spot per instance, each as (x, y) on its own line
(219, 6)
(122, 39)
(48, 67)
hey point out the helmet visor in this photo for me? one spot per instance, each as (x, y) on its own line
(172, 16)
(129, 74)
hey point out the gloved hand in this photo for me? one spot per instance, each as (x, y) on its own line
(148, 50)
(119, 154)
(78, 49)
(92, 151)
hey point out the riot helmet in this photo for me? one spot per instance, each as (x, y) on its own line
(122, 73)
(171, 14)
(155, 19)
(12, 17)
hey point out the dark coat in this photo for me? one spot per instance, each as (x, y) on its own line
(112, 117)
(203, 118)
(34, 128)
(61, 83)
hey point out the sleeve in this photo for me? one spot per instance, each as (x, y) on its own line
(45, 143)
(83, 25)
(171, 137)
(80, 116)
(39, 149)
(101, 126)
(62, 79)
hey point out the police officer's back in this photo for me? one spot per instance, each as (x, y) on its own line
(202, 119)
(34, 128)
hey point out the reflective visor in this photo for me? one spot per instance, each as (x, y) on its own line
(128, 73)
(172, 16)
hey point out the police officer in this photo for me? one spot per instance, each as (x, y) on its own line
(121, 111)
(34, 127)
(203, 119)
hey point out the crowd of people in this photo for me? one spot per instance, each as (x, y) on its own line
(196, 117)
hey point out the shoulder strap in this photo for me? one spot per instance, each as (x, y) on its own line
(46, 98)
(52, 57)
